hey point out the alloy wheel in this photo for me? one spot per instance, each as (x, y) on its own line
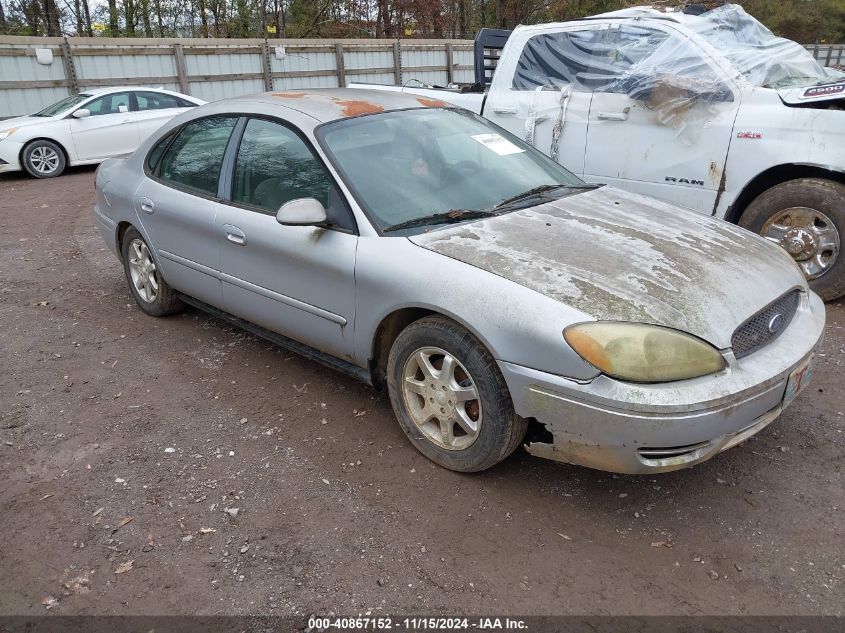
(442, 398)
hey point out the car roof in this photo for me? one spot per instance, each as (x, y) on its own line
(99, 91)
(331, 104)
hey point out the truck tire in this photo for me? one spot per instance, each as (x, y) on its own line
(450, 397)
(806, 217)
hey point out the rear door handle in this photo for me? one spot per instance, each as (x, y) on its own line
(234, 234)
(125, 121)
(614, 116)
(504, 109)
(147, 205)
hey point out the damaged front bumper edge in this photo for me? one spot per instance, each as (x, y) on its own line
(641, 429)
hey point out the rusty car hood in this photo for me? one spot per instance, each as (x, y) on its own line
(614, 255)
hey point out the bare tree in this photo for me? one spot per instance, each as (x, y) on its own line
(145, 18)
(114, 24)
(51, 18)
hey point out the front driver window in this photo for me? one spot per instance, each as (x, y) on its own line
(109, 104)
(275, 166)
(193, 160)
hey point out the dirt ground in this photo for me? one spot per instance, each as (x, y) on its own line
(125, 439)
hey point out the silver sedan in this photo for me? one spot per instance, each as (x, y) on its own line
(498, 298)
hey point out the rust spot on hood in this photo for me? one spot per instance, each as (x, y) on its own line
(354, 107)
(431, 103)
(290, 95)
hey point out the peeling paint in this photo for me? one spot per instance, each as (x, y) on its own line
(289, 95)
(621, 256)
(355, 107)
(715, 172)
(432, 103)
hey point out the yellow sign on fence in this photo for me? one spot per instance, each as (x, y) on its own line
(271, 28)
(99, 27)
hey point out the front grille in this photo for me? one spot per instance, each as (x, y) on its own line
(765, 326)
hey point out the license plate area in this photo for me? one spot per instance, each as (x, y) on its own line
(798, 379)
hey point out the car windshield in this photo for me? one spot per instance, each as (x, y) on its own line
(763, 58)
(408, 166)
(61, 106)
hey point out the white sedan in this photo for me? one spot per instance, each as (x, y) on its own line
(86, 128)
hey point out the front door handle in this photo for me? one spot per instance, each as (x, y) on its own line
(234, 234)
(147, 205)
(125, 121)
(614, 116)
(504, 109)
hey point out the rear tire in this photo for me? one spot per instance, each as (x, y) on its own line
(807, 217)
(450, 397)
(151, 292)
(43, 159)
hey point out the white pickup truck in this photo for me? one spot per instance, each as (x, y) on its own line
(709, 111)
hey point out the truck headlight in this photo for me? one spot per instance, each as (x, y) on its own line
(638, 352)
(4, 134)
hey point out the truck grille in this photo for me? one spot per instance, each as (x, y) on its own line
(765, 326)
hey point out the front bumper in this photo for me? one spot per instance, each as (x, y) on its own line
(638, 428)
(9, 156)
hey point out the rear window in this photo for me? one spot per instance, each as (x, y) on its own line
(194, 158)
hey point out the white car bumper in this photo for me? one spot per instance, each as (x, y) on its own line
(10, 156)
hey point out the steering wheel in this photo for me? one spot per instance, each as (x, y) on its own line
(459, 171)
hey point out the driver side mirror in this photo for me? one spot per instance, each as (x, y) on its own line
(302, 212)
(82, 113)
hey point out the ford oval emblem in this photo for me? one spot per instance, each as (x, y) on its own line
(776, 323)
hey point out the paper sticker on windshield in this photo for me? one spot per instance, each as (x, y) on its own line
(498, 144)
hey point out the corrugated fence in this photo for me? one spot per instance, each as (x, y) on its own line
(35, 72)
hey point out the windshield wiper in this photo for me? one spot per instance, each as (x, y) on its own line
(447, 217)
(537, 192)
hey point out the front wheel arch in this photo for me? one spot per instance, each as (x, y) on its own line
(49, 140)
(394, 322)
(774, 176)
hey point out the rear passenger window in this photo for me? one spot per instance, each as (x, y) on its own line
(156, 101)
(193, 160)
(155, 154)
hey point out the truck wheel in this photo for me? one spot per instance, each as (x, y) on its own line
(807, 218)
(43, 159)
(450, 397)
(151, 292)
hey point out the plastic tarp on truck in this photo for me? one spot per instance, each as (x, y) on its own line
(665, 69)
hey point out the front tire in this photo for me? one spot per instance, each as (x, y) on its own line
(43, 159)
(450, 397)
(151, 292)
(805, 216)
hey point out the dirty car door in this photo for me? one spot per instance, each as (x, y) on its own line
(298, 281)
(661, 117)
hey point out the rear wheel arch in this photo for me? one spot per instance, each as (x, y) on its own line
(122, 227)
(774, 176)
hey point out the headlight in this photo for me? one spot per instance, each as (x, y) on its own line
(638, 352)
(4, 134)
